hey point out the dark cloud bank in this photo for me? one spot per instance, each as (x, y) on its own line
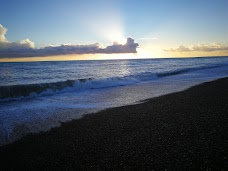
(26, 48)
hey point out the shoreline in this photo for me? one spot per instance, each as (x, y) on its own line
(181, 130)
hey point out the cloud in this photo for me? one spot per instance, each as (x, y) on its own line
(19, 45)
(209, 47)
(200, 48)
(2, 33)
(26, 48)
(179, 49)
(129, 47)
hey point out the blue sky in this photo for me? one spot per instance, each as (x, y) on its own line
(154, 24)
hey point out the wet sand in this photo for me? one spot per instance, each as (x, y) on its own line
(187, 130)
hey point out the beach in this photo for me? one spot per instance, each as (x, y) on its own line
(180, 131)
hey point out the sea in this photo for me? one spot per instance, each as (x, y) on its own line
(37, 96)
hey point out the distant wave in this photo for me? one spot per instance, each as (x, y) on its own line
(13, 92)
(181, 71)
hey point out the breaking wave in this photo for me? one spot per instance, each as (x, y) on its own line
(13, 92)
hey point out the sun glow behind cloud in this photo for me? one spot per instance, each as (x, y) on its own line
(107, 23)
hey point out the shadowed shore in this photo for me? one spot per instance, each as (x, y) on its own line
(184, 130)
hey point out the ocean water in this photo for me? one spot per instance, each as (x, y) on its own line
(37, 96)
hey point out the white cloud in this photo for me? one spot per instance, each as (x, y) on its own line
(6, 45)
(27, 43)
(3, 31)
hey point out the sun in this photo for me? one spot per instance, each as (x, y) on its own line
(121, 40)
(117, 37)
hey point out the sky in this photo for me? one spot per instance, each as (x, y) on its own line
(157, 28)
